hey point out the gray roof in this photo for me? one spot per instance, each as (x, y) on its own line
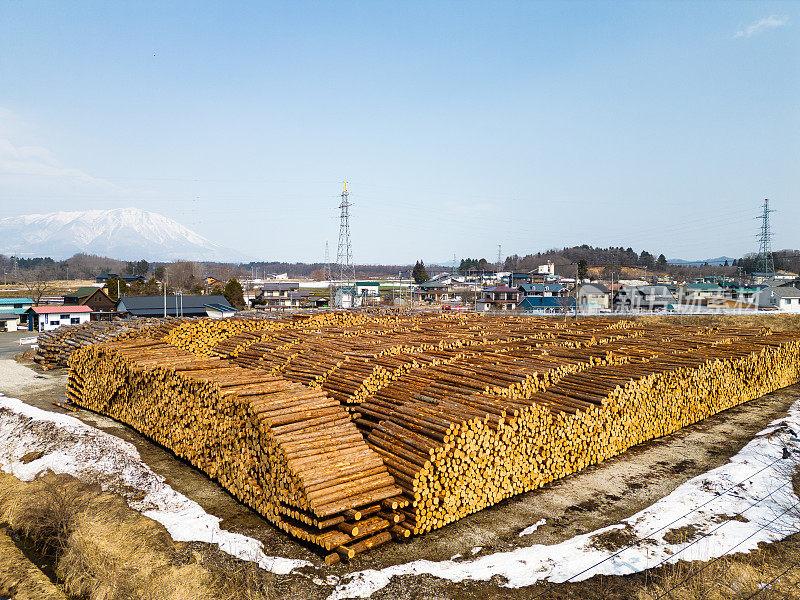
(783, 292)
(280, 286)
(594, 288)
(153, 306)
(541, 287)
(790, 283)
(219, 307)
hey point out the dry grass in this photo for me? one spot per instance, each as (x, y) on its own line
(20, 578)
(735, 577)
(104, 550)
(777, 322)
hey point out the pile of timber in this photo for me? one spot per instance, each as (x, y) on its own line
(447, 414)
(55, 347)
(454, 455)
(290, 452)
(466, 412)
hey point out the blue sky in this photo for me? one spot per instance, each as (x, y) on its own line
(458, 125)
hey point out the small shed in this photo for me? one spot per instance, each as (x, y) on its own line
(47, 318)
(220, 311)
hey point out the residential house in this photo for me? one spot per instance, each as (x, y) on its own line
(498, 298)
(784, 298)
(14, 312)
(517, 279)
(740, 293)
(546, 304)
(593, 297)
(549, 269)
(545, 290)
(173, 306)
(280, 295)
(93, 297)
(773, 279)
(791, 283)
(699, 293)
(644, 297)
(47, 318)
(433, 291)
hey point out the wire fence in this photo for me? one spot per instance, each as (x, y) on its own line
(726, 491)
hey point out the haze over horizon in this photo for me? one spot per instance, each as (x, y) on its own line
(458, 126)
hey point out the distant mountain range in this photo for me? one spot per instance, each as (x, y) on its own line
(720, 260)
(121, 233)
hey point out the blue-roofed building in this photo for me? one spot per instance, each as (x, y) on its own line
(542, 289)
(15, 312)
(546, 304)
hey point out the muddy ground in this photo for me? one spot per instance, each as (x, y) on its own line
(596, 497)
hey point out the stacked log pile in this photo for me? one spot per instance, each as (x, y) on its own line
(494, 407)
(55, 347)
(409, 422)
(454, 455)
(290, 452)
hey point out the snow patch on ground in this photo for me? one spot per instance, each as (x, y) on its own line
(727, 510)
(530, 529)
(70, 446)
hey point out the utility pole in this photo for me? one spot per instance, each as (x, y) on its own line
(576, 290)
(765, 259)
(612, 292)
(344, 254)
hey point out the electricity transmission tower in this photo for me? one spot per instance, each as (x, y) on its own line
(499, 263)
(765, 260)
(344, 255)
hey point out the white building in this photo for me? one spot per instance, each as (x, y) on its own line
(47, 318)
(784, 298)
(548, 269)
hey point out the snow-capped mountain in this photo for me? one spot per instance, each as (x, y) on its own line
(121, 233)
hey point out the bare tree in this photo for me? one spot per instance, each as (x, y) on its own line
(38, 283)
(564, 304)
(184, 275)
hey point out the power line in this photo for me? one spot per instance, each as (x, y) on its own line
(739, 543)
(708, 533)
(631, 545)
(773, 580)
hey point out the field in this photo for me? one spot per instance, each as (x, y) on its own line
(348, 430)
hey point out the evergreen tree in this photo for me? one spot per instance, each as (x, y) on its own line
(661, 263)
(583, 270)
(234, 293)
(419, 273)
(115, 285)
